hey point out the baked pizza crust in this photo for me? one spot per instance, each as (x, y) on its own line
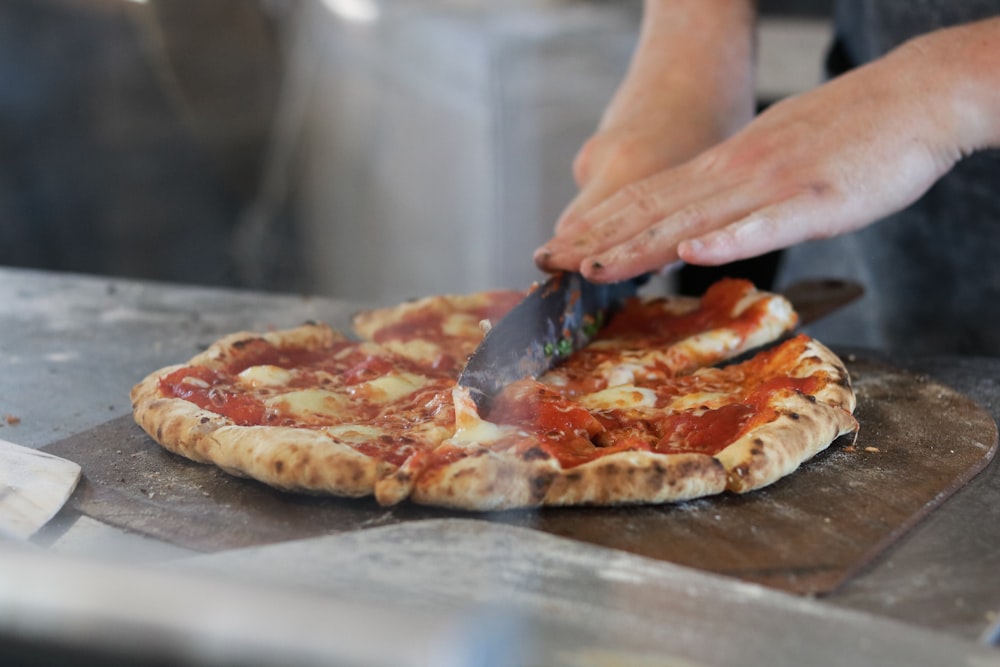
(482, 479)
(802, 429)
(805, 426)
(638, 477)
(487, 481)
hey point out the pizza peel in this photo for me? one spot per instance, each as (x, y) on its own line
(807, 533)
(34, 485)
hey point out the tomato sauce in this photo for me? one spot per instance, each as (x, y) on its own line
(394, 449)
(575, 435)
(428, 323)
(208, 390)
(648, 322)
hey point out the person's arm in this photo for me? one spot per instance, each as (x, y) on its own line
(689, 85)
(826, 162)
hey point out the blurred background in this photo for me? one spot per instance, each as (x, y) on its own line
(372, 150)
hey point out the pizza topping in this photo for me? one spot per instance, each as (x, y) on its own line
(619, 397)
(387, 388)
(267, 385)
(265, 375)
(204, 388)
(701, 413)
(730, 303)
(315, 406)
(559, 426)
(648, 342)
(392, 448)
(440, 331)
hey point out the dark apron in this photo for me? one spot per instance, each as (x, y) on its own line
(932, 271)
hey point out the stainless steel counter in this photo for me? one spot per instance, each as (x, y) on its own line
(460, 590)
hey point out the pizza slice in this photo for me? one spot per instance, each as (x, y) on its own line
(303, 409)
(739, 428)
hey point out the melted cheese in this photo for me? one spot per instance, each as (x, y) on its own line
(388, 388)
(481, 432)
(780, 318)
(621, 374)
(469, 427)
(699, 399)
(714, 344)
(310, 403)
(620, 397)
(462, 325)
(419, 350)
(265, 376)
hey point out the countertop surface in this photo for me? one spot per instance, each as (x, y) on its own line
(72, 346)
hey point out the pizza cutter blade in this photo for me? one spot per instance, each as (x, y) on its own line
(557, 317)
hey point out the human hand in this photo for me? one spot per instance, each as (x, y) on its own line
(823, 163)
(635, 142)
(690, 85)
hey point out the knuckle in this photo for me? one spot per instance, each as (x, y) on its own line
(641, 201)
(693, 215)
(613, 156)
(582, 163)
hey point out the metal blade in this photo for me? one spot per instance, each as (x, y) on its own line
(557, 317)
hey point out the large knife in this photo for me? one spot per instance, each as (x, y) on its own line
(556, 318)
(564, 313)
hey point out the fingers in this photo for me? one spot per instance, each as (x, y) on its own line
(752, 235)
(656, 245)
(724, 225)
(606, 225)
(638, 229)
(809, 215)
(573, 217)
(604, 166)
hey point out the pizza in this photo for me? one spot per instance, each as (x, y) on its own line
(658, 408)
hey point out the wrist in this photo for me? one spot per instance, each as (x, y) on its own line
(962, 75)
(693, 56)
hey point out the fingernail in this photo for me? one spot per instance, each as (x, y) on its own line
(689, 248)
(546, 259)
